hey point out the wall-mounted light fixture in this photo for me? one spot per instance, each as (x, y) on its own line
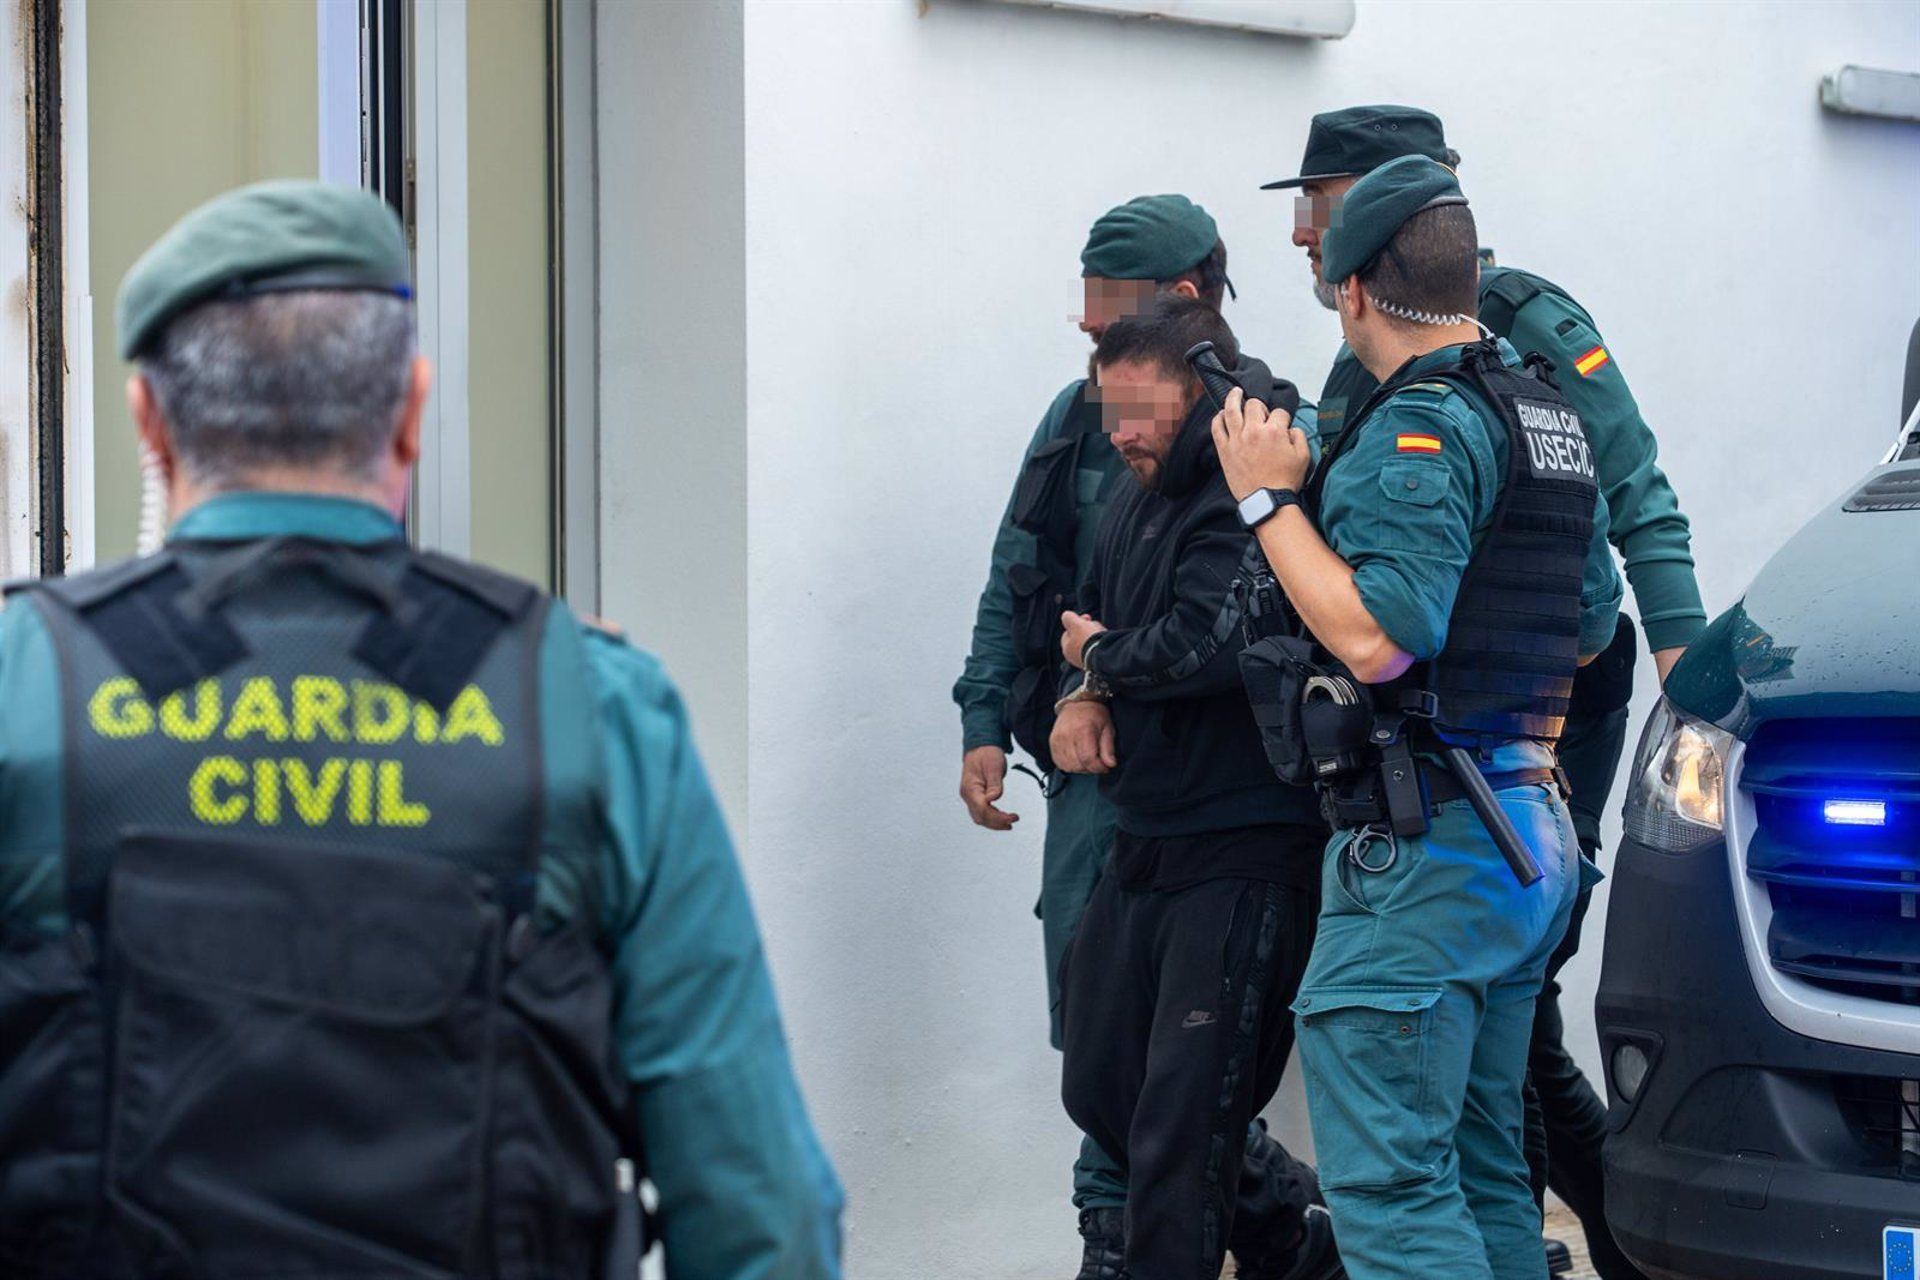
(1867, 91)
(1316, 19)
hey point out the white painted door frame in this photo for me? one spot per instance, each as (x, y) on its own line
(81, 500)
(576, 214)
(442, 508)
(17, 547)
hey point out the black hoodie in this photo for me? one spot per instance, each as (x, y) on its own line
(1190, 759)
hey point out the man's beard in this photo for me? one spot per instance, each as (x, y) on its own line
(1325, 294)
(1147, 470)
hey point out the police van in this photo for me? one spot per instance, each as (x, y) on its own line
(1759, 1003)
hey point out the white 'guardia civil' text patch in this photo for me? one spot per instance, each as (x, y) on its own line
(1556, 444)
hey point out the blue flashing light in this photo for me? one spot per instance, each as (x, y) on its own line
(1855, 813)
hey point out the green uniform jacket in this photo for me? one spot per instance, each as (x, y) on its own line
(1408, 522)
(745, 1190)
(1645, 519)
(990, 668)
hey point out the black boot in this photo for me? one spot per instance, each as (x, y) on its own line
(1312, 1257)
(1105, 1255)
(1559, 1258)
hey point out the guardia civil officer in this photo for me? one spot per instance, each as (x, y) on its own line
(1451, 557)
(1041, 553)
(360, 906)
(1645, 523)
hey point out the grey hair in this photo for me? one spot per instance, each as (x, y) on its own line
(305, 378)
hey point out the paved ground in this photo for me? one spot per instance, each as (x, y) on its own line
(1562, 1226)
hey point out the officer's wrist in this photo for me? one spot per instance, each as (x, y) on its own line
(1263, 505)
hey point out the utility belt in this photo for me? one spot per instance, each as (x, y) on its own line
(1322, 727)
(1363, 801)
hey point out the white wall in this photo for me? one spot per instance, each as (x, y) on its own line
(673, 499)
(918, 180)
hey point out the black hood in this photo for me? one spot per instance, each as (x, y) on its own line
(1192, 460)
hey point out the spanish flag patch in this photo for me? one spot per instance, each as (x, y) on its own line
(1410, 443)
(1591, 361)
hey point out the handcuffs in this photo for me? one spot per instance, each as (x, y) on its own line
(1093, 686)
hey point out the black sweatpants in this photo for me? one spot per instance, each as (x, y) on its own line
(1176, 1026)
(1566, 1120)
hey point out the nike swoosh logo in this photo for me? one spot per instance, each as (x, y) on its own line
(1198, 1018)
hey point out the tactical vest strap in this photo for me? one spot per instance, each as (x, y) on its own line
(454, 612)
(142, 612)
(1504, 291)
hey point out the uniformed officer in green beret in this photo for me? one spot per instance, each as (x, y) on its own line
(1450, 556)
(360, 908)
(1042, 551)
(1566, 1129)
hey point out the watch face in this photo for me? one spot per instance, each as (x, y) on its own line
(1256, 506)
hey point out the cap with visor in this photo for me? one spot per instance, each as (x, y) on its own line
(1357, 140)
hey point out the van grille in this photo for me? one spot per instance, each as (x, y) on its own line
(1846, 897)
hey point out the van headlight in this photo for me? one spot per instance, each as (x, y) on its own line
(1679, 782)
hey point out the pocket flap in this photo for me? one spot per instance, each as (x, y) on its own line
(1024, 579)
(376, 936)
(1324, 1000)
(1421, 481)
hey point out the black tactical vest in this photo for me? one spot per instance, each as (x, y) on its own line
(304, 1021)
(1513, 638)
(1046, 504)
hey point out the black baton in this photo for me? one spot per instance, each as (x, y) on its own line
(1212, 374)
(1492, 816)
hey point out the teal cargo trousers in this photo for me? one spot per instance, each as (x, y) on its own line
(1414, 1017)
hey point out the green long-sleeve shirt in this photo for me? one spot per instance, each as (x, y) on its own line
(1645, 522)
(745, 1191)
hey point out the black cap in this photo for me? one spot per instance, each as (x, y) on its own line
(1357, 140)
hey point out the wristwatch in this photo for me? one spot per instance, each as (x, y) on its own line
(1263, 505)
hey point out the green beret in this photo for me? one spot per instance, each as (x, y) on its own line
(1149, 238)
(1377, 206)
(269, 237)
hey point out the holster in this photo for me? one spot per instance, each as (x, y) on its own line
(1275, 671)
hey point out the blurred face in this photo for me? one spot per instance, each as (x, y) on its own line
(1316, 208)
(1141, 409)
(1108, 300)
